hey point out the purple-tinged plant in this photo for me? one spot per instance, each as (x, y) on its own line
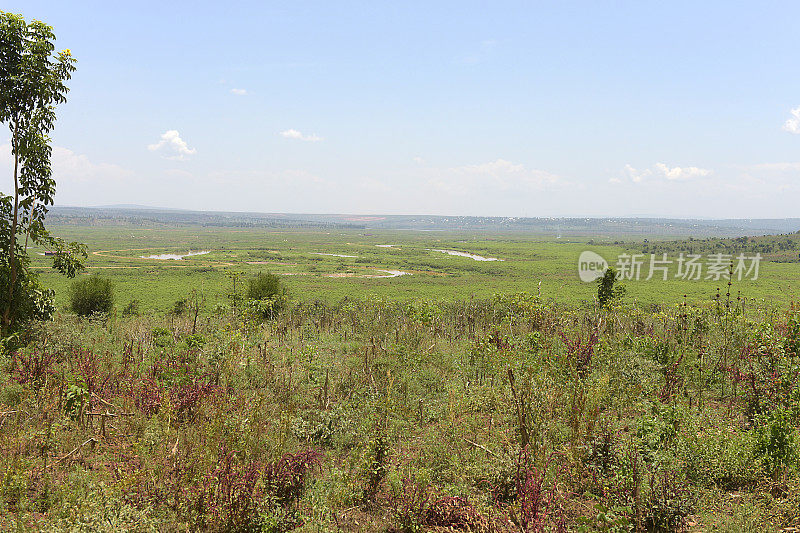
(580, 353)
(32, 368)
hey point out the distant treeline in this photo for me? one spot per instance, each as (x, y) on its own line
(779, 248)
(546, 226)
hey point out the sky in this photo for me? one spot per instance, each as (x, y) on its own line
(675, 109)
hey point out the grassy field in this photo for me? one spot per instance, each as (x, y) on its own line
(502, 415)
(530, 263)
(464, 395)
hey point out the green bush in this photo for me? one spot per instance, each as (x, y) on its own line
(776, 441)
(91, 295)
(31, 301)
(132, 309)
(265, 295)
(264, 286)
(608, 288)
(180, 307)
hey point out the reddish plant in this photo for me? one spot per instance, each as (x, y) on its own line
(537, 507)
(498, 340)
(410, 506)
(236, 496)
(670, 502)
(286, 478)
(673, 381)
(239, 492)
(186, 399)
(417, 505)
(32, 368)
(148, 396)
(84, 363)
(580, 353)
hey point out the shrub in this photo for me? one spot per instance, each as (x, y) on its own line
(33, 367)
(417, 506)
(132, 309)
(180, 307)
(11, 394)
(775, 442)
(608, 288)
(264, 286)
(91, 295)
(31, 301)
(668, 502)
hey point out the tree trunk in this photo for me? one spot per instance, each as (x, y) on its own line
(12, 264)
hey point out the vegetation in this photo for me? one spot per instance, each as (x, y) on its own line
(506, 414)
(608, 288)
(783, 248)
(530, 263)
(264, 286)
(93, 294)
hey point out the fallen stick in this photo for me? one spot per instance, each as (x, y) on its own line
(110, 415)
(484, 448)
(104, 402)
(92, 440)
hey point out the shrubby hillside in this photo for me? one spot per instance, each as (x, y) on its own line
(506, 414)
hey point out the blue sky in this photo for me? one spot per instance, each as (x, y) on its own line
(681, 109)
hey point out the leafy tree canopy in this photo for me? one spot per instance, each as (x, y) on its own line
(32, 82)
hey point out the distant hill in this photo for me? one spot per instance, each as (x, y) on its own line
(663, 228)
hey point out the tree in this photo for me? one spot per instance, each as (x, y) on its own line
(32, 83)
(608, 289)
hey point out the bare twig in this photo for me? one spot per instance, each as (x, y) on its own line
(106, 403)
(484, 448)
(92, 440)
(110, 415)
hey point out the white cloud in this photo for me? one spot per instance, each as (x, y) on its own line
(285, 178)
(67, 165)
(294, 134)
(636, 176)
(770, 178)
(70, 167)
(375, 185)
(681, 173)
(792, 124)
(239, 92)
(497, 175)
(172, 146)
(660, 170)
(418, 160)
